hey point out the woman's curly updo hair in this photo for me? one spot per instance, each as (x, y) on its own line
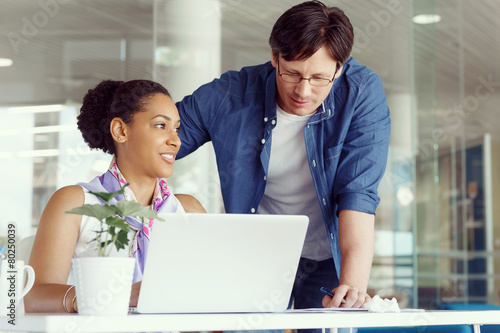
(110, 99)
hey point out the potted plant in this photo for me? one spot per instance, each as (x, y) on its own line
(103, 283)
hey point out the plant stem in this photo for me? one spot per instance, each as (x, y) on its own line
(103, 250)
(113, 240)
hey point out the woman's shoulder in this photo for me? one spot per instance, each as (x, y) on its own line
(54, 217)
(68, 196)
(70, 190)
(190, 203)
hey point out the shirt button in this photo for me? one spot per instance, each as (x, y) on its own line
(331, 235)
(314, 163)
(273, 121)
(265, 119)
(265, 177)
(324, 201)
(263, 141)
(252, 210)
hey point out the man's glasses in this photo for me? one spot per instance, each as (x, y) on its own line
(314, 81)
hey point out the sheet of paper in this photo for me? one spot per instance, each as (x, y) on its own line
(327, 310)
(344, 310)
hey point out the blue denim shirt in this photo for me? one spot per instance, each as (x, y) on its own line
(347, 139)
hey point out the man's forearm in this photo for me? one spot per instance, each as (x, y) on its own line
(357, 240)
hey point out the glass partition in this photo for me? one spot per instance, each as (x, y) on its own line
(454, 221)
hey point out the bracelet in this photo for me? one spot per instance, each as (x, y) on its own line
(73, 303)
(64, 298)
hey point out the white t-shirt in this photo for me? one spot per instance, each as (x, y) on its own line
(290, 188)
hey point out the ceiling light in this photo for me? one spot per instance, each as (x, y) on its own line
(40, 129)
(426, 18)
(4, 62)
(38, 153)
(36, 108)
(8, 132)
(52, 129)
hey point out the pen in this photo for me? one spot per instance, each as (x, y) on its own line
(326, 292)
(329, 293)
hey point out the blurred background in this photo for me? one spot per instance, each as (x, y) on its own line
(438, 227)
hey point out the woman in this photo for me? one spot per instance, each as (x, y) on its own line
(137, 122)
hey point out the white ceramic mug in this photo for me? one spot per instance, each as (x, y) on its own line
(12, 274)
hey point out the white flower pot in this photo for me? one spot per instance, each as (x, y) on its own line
(103, 285)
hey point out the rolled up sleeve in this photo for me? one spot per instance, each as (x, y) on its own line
(363, 157)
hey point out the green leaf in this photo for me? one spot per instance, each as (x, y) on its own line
(118, 222)
(121, 240)
(103, 244)
(98, 211)
(133, 208)
(106, 196)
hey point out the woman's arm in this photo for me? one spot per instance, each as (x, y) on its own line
(52, 252)
(190, 203)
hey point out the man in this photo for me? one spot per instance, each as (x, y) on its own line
(306, 133)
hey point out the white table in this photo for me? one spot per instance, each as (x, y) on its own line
(233, 321)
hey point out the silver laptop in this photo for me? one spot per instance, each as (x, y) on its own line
(205, 263)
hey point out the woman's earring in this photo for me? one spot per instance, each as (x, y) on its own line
(118, 138)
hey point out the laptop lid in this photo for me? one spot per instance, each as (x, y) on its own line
(205, 263)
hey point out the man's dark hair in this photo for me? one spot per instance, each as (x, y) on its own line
(305, 28)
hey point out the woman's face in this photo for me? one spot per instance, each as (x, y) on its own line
(152, 141)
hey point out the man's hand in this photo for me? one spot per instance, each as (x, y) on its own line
(345, 297)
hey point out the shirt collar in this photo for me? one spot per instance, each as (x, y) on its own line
(270, 107)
